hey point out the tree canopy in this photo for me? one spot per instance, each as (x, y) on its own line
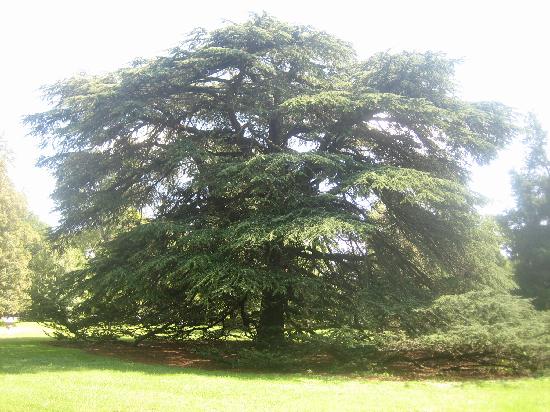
(283, 183)
(529, 222)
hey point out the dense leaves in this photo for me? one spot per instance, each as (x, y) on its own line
(283, 184)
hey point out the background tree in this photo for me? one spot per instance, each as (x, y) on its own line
(286, 185)
(50, 263)
(15, 234)
(54, 263)
(529, 223)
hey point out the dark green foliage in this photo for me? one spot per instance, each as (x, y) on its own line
(486, 323)
(285, 186)
(529, 224)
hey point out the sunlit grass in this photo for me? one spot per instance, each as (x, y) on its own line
(22, 330)
(35, 376)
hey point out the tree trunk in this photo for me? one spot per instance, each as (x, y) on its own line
(272, 319)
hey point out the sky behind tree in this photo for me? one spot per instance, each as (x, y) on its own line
(502, 44)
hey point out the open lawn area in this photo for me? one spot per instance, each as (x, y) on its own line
(37, 376)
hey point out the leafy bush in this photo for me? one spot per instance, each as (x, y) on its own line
(481, 323)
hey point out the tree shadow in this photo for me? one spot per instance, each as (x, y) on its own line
(34, 355)
(27, 355)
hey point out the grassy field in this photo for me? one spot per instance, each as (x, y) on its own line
(36, 376)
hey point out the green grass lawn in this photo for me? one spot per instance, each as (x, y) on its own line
(35, 376)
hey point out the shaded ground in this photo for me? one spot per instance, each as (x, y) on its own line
(154, 353)
(241, 356)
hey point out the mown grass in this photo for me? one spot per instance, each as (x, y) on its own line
(36, 376)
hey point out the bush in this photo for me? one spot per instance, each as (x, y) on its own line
(482, 323)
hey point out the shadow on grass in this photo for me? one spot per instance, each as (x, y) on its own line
(28, 355)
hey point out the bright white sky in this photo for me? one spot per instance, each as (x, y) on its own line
(503, 44)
